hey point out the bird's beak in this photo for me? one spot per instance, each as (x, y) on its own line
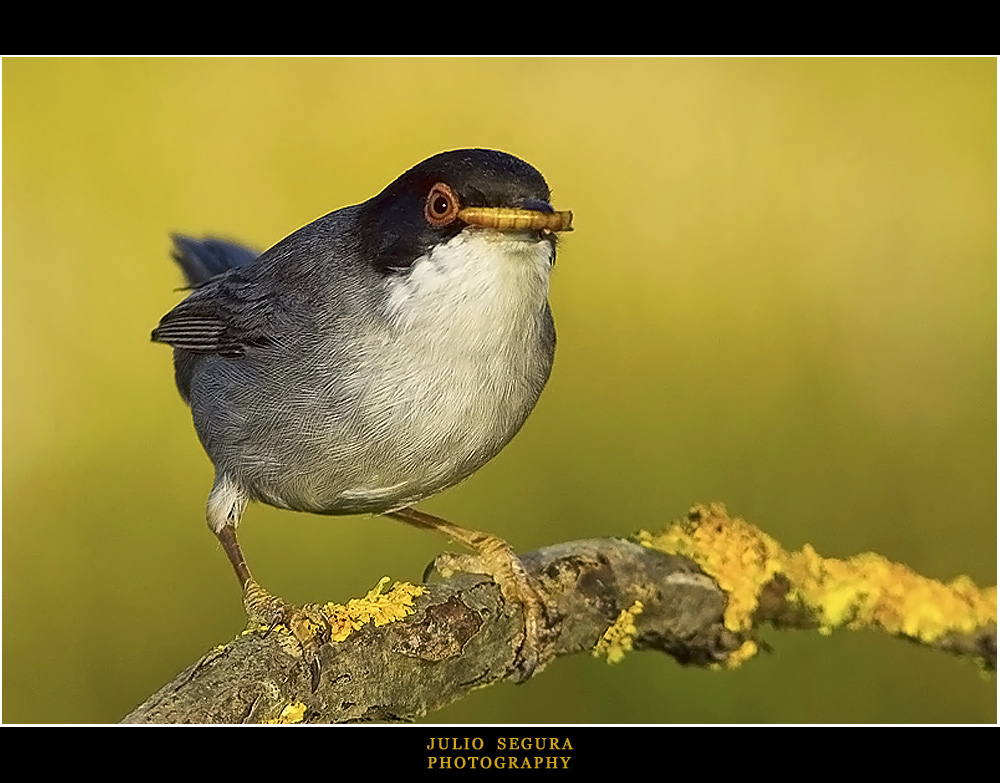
(516, 219)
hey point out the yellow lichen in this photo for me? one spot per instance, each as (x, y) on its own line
(746, 651)
(865, 591)
(292, 713)
(741, 558)
(377, 608)
(617, 640)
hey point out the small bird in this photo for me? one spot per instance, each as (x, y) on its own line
(377, 356)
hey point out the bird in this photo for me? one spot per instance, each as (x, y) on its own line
(375, 357)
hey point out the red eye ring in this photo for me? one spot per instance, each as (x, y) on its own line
(441, 206)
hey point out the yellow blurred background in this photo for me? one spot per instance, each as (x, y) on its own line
(780, 294)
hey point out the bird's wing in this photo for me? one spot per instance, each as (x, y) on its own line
(225, 316)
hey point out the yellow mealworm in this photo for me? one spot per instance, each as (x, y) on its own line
(516, 219)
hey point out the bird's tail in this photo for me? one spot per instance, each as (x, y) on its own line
(202, 259)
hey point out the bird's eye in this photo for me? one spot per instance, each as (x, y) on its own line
(441, 206)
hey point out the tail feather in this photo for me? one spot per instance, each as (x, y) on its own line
(202, 259)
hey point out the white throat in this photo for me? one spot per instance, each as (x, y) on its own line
(478, 286)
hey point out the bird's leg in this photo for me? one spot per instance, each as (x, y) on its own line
(497, 559)
(261, 606)
(227, 537)
(307, 623)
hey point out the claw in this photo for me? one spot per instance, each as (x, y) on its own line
(519, 590)
(307, 624)
(496, 558)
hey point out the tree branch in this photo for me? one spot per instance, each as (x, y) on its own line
(697, 591)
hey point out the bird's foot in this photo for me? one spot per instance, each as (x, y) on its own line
(307, 624)
(519, 589)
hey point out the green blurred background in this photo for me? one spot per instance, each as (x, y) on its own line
(780, 294)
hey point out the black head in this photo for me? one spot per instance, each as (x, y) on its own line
(420, 208)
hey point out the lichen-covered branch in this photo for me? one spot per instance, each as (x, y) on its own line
(697, 591)
(766, 583)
